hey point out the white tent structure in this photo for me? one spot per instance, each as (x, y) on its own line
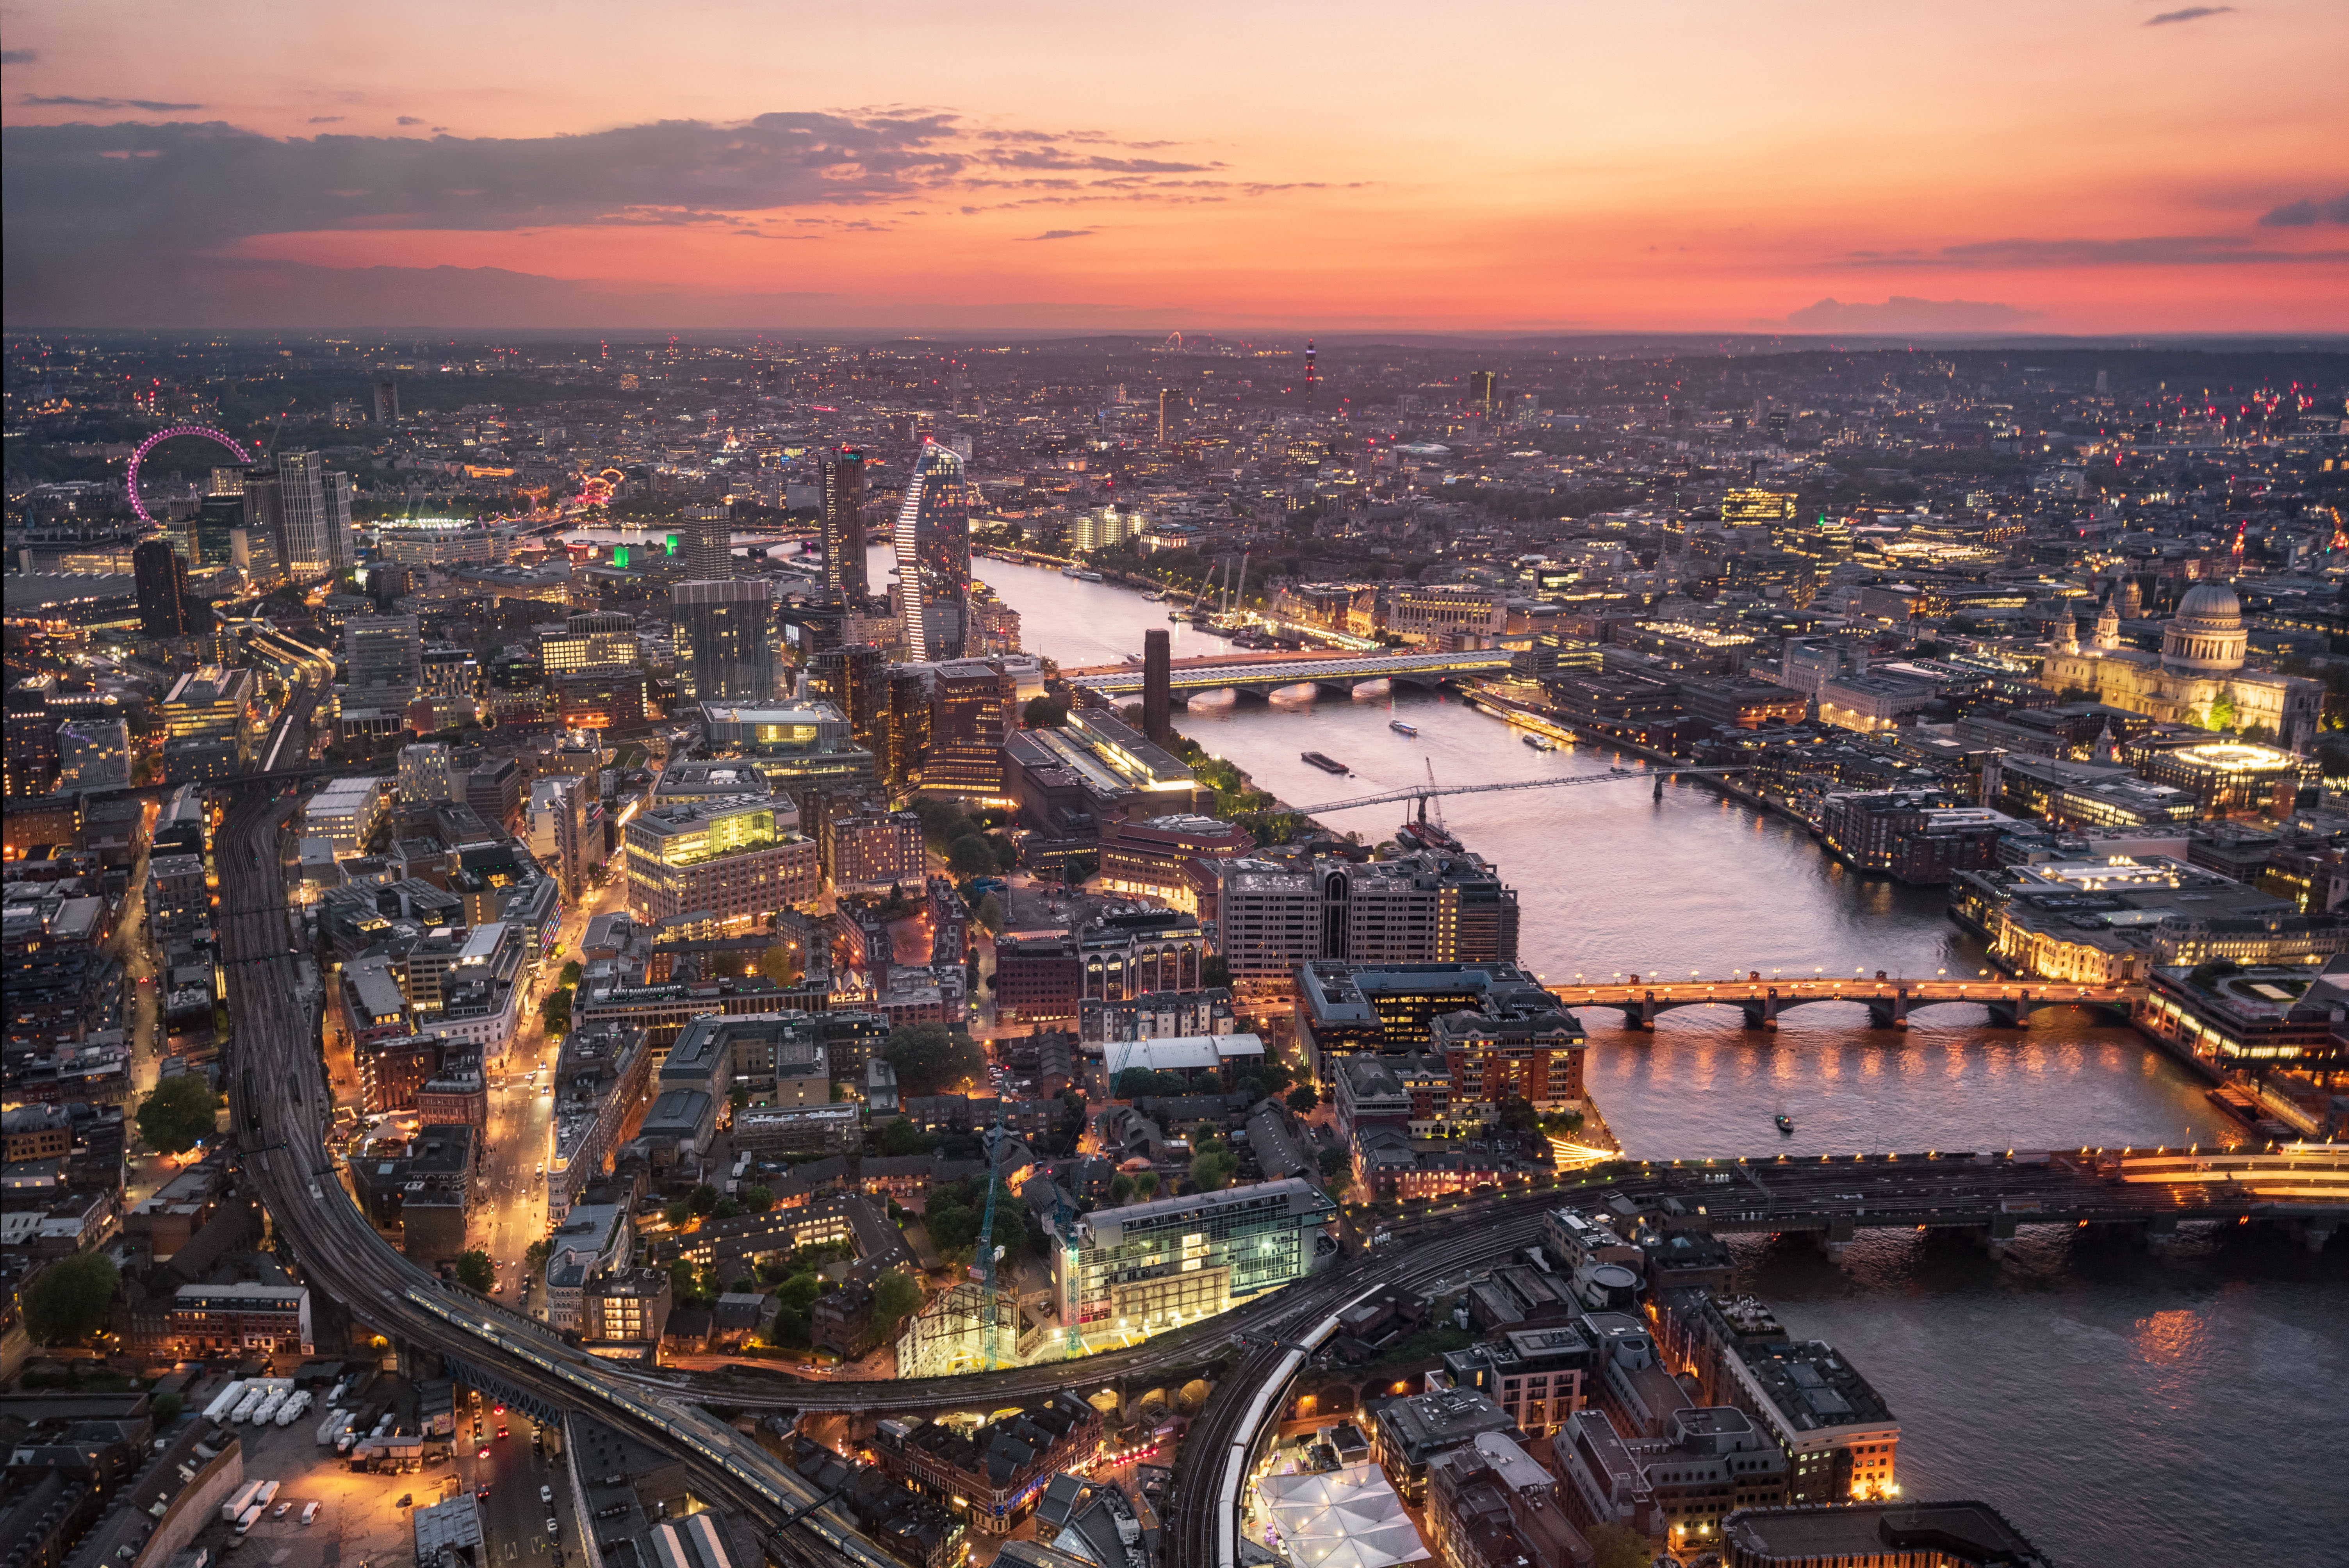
(1347, 1518)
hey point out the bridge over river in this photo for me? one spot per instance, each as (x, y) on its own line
(1265, 673)
(1889, 1001)
(1993, 1194)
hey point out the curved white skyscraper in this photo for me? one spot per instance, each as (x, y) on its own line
(934, 557)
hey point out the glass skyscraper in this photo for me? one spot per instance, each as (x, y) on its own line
(934, 557)
(727, 630)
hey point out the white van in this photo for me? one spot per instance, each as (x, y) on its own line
(309, 1511)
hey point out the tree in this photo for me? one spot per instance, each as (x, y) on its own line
(571, 973)
(725, 1209)
(684, 1283)
(555, 1013)
(166, 1409)
(1302, 1100)
(1613, 1546)
(677, 1213)
(66, 1301)
(897, 1296)
(475, 1272)
(180, 1114)
(702, 1199)
(902, 1138)
(1043, 712)
(759, 1200)
(1332, 1161)
(1517, 1114)
(782, 965)
(1213, 1170)
(1121, 1189)
(1145, 1183)
(970, 856)
(989, 915)
(931, 1059)
(1215, 971)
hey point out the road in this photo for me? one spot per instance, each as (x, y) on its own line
(281, 1110)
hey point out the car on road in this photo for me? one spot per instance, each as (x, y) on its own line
(501, 1431)
(554, 1525)
(546, 1494)
(484, 1491)
(282, 1510)
(482, 1455)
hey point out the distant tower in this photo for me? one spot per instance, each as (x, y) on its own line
(162, 581)
(386, 402)
(2108, 625)
(844, 525)
(934, 557)
(2131, 601)
(1156, 693)
(1174, 414)
(1482, 391)
(2067, 631)
(1311, 384)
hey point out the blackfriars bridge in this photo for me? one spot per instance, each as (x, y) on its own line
(1888, 1000)
(1260, 676)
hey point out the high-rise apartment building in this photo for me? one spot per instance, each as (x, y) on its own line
(1484, 388)
(1174, 414)
(386, 402)
(424, 774)
(705, 543)
(934, 557)
(727, 628)
(163, 579)
(854, 678)
(314, 516)
(844, 525)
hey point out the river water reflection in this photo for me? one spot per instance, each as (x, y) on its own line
(2123, 1409)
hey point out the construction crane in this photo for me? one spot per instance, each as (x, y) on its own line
(1423, 793)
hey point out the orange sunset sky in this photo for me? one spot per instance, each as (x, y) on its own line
(2084, 167)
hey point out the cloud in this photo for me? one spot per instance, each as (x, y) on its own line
(148, 105)
(2300, 214)
(2191, 14)
(326, 120)
(1058, 235)
(1905, 314)
(19, 56)
(410, 119)
(2157, 250)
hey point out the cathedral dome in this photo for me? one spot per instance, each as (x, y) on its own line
(2207, 636)
(2213, 606)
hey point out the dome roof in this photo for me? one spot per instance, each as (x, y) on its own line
(2211, 601)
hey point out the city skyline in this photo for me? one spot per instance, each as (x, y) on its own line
(1818, 170)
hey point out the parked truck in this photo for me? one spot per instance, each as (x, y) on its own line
(225, 1400)
(239, 1500)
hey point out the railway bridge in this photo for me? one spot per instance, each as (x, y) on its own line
(1890, 1000)
(1261, 677)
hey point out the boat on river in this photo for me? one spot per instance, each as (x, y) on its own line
(1541, 743)
(1326, 764)
(1400, 727)
(1785, 1125)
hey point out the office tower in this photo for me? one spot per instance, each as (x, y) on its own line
(908, 738)
(1309, 381)
(706, 544)
(728, 629)
(382, 662)
(211, 532)
(262, 555)
(1174, 414)
(93, 753)
(844, 525)
(302, 511)
(934, 557)
(424, 774)
(854, 678)
(1156, 683)
(386, 402)
(1482, 386)
(972, 709)
(342, 540)
(162, 580)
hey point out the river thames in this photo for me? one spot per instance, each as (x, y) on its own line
(2123, 1407)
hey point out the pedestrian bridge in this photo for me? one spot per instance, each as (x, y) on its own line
(1889, 1001)
(1258, 677)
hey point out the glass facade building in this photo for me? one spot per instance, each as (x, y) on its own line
(934, 557)
(1152, 1266)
